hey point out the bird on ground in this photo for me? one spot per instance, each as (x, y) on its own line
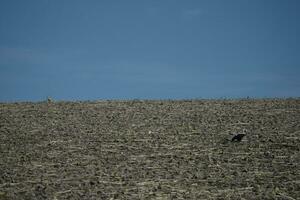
(238, 137)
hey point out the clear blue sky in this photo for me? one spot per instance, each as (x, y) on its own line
(148, 49)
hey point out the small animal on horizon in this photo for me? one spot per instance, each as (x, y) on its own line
(239, 137)
(49, 100)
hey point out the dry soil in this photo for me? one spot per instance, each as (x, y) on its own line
(144, 149)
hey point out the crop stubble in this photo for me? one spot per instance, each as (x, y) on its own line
(144, 149)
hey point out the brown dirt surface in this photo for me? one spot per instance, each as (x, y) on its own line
(150, 149)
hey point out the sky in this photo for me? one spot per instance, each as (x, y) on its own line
(148, 49)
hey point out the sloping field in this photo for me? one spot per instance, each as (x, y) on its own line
(150, 150)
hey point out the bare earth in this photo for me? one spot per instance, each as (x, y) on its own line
(150, 150)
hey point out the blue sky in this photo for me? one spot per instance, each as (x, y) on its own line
(148, 49)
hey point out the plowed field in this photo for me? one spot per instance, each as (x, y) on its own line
(150, 149)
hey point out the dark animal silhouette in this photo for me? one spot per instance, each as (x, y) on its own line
(239, 137)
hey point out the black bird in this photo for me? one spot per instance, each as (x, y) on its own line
(239, 137)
